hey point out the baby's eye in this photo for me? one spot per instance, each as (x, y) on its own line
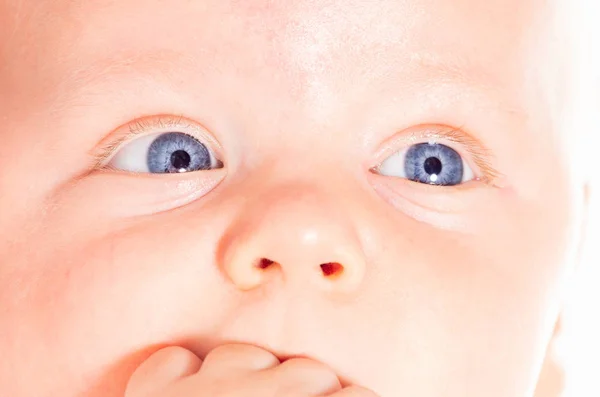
(430, 163)
(170, 152)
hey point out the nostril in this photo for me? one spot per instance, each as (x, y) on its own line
(332, 269)
(329, 269)
(264, 263)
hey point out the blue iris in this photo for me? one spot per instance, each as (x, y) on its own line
(175, 152)
(433, 164)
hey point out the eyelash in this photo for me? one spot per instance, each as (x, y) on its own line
(480, 155)
(478, 152)
(146, 125)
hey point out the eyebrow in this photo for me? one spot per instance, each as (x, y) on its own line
(163, 66)
(125, 64)
(458, 70)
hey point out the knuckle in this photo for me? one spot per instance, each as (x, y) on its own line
(237, 352)
(357, 391)
(308, 365)
(311, 376)
(173, 353)
(229, 350)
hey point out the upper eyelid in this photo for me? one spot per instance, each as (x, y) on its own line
(152, 125)
(481, 155)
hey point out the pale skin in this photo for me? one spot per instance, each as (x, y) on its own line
(299, 265)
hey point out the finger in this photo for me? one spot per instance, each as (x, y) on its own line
(225, 359)
(160, 369)
(307, 376)
(354, 391)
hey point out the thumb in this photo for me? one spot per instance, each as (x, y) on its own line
(160, 369)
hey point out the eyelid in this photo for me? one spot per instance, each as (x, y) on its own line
(477, 153)
(142, 126)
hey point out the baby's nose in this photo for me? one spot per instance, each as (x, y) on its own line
(295, 235)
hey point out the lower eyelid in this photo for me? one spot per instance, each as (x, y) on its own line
(452, 220)
(440, 199)
(124, 194)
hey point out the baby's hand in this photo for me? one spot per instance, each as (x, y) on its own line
(234, 371)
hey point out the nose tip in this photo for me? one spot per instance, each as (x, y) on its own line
(297, 239)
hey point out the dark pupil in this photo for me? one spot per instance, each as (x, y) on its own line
(180, 159)
(433, 166)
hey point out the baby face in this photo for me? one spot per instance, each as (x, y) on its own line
(379, 186)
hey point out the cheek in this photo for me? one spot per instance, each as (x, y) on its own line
(103, 302)
(478, 307)
(471, 309)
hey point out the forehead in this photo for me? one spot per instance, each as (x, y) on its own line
(305, 39)
(319, 59)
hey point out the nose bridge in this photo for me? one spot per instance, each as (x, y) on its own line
(298, 231)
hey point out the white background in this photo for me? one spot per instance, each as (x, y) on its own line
(580, 342)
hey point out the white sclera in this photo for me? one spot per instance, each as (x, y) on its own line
(133, 156)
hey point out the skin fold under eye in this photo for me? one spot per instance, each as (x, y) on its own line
(429, 163)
